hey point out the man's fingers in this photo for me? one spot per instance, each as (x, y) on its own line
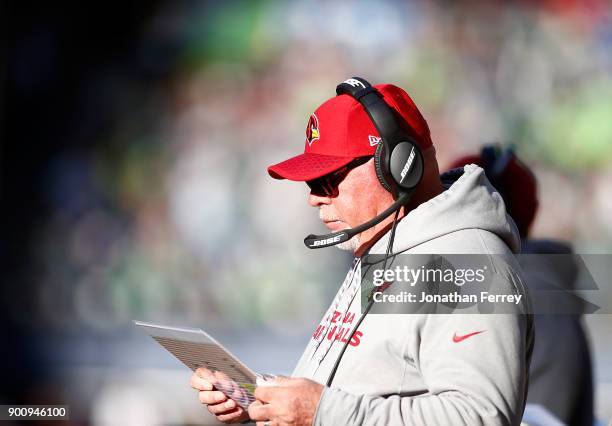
(211, 397)
(199, 383)
(223, 407)
(239, 393)
(259, 411)
(226, 384)
(265, 393)
(205, 373)
(231, 416)
(282, 380)
(221, 375)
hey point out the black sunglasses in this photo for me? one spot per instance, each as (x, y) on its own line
(325, 186)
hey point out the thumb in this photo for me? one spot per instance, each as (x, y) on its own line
(271, 380)
(281, 381)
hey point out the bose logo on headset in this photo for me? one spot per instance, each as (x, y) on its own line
(354, 82)
(331, 240)
(407, 166)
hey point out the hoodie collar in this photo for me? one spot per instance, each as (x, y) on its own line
(470, 202)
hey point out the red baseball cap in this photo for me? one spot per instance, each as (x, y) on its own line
(340, 130)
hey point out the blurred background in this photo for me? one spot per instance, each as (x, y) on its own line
(135, 143)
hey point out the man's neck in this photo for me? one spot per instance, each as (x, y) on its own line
(425, 192)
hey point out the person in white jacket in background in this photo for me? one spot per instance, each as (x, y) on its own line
(413, 369)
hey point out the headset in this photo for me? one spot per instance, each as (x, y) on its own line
(398, 160)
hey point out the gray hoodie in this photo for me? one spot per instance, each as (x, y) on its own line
(407, 369)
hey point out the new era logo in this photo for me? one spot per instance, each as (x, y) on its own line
(374, 140)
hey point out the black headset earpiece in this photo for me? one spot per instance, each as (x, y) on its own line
(378, 167)
(405, 165)
(398, 160)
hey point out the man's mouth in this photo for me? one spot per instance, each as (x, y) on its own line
(334, 224)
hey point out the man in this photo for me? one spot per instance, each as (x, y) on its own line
(395, 369)
(562, 383)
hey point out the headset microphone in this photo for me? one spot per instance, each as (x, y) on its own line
(320, 241)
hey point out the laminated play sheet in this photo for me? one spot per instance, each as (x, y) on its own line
(195, 348)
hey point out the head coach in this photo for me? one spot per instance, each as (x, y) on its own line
(373, 175)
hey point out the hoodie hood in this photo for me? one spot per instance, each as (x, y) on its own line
(470, 202)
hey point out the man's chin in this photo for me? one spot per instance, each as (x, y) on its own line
(350, 245)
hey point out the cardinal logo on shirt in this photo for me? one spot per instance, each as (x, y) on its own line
(312, 130)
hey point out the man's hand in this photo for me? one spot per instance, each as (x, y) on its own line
(287, 401)
(225, 410)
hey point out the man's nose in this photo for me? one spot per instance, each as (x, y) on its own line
(318, 200)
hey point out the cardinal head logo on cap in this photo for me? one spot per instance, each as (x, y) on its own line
(312, 130)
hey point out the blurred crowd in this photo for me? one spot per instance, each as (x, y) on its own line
(165, 211)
